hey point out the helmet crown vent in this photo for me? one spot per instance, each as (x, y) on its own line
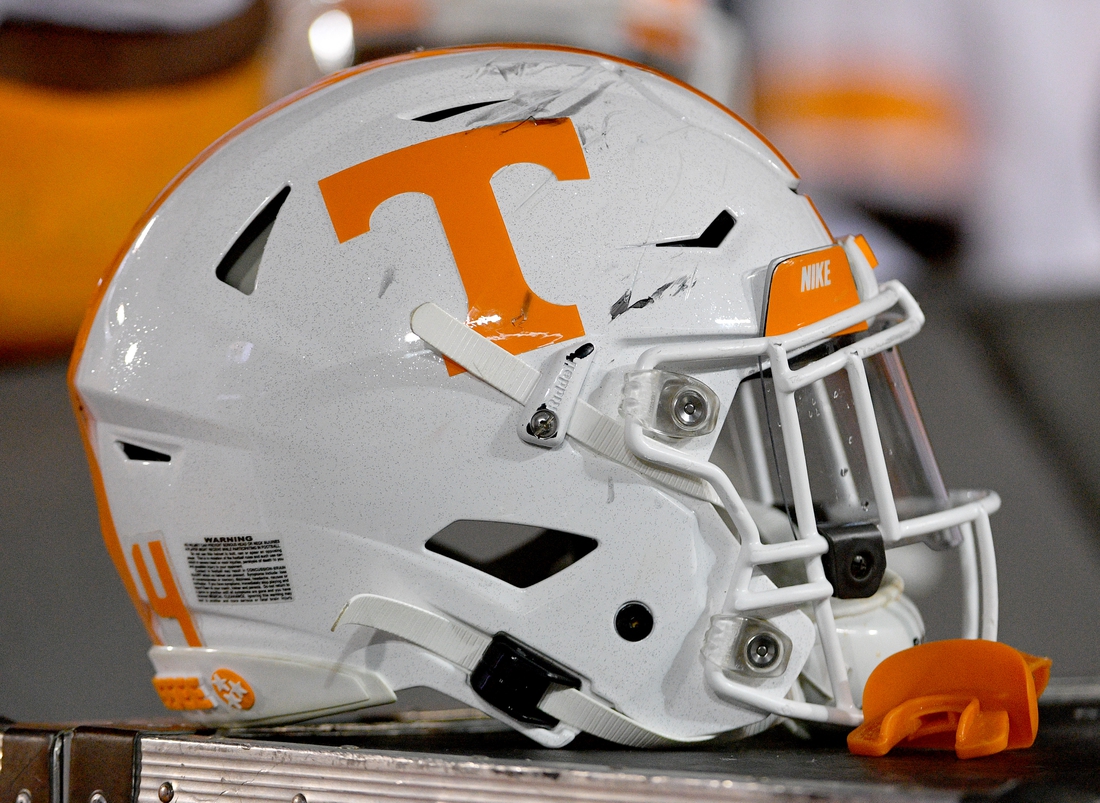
(453, 111)
(712, 237)
(241, 262)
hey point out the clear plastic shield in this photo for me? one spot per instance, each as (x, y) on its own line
(836, 459)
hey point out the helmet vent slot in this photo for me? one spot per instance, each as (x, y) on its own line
(454, 111)
(241, 262)
(143, 454)
(712, 236)
(518, 554)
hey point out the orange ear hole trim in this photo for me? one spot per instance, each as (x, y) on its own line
(974, 697)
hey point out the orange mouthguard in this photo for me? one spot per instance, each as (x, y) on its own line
(976, 697)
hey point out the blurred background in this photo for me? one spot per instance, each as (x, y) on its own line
(962, 137)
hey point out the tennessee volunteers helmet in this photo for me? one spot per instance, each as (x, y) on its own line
(526, 375)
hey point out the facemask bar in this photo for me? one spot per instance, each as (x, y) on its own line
(839, 479)
(970, 511)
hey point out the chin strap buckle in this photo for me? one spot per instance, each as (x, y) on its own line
(971, 696)
(505, 672)
(513, 678)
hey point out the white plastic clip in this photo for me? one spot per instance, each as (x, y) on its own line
(550, 406)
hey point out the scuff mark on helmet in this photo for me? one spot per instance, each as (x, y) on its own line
(584, 130)
(620, 306)
(587, 100)
(519, 108)
(512, 69)
(387, 280)
(677, 286)
(521, 319)
(538, 103)
(536, 190)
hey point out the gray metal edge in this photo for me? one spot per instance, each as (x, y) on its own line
(202, 770)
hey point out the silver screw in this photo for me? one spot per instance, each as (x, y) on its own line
(544, 424)
(166, 792)
(689, 408)
(97, 797)
(298, 798)
(762, 650)
(24, 796)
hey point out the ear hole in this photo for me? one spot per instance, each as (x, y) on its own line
(711, 237)
(454, 111)
(142, 454)
(241, 262)
(518, 554)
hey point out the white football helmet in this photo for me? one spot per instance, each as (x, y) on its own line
(524, 374)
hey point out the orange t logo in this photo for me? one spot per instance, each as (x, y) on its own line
(455, 171)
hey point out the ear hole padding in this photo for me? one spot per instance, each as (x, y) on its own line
(520, 555)
(241, 263)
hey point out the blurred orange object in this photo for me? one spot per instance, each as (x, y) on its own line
(971, 696)
(79, 167)
(898, 138)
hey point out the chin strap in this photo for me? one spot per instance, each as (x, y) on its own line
(464, 646)
(516, 379)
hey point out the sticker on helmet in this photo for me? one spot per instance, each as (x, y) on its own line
(455, 170)
(238, 568)
(233, 690)
(808, 288)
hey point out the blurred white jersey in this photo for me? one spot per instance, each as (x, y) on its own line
(984, 110)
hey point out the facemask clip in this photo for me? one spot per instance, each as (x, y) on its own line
(746, 647)
(669, 404)
(856, 560)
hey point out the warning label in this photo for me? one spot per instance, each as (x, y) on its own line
(237, 568)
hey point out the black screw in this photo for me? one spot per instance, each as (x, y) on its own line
(862, 562)
(634, 622)
(166, 792)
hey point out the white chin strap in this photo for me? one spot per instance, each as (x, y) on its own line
(516, 379)
(463, 646)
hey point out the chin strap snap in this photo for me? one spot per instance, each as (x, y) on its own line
(971, 696)
(469, 648)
